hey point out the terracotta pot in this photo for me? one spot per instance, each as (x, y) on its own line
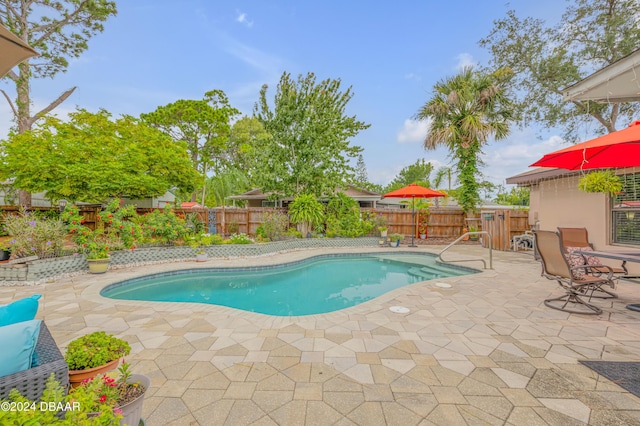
(78, 376)
(98, 266)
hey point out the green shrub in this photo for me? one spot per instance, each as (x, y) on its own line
(307, 211)
(165, 226)
(240, 239)
(32, 235)
(274, 225)
(344, 218)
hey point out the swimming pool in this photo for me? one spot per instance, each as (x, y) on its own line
(316, 285)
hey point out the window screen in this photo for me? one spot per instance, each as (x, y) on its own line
(625, 215)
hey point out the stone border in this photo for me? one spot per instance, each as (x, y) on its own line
(35, 271)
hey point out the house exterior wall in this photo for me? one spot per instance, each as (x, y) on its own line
(559, 202)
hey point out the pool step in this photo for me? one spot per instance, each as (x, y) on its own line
(432, 272)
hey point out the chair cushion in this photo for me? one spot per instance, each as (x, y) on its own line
(23, 337)
(20, 310)
(575, 259)
(591, 260)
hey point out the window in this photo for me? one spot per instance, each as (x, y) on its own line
(625, 214)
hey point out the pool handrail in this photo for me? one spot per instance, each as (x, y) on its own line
(439, 257)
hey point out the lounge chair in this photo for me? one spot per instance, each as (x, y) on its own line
(47, 359)
(573, 279)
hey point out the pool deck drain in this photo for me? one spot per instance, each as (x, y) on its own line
(489, 352)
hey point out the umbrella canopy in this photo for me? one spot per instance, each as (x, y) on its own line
(617, 149)
(414, 190)
(13, 50)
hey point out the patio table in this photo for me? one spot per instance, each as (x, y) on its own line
(618, 255)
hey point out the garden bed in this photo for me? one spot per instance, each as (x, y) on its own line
(39, 270)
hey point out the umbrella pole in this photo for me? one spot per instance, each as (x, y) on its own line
(413, 221)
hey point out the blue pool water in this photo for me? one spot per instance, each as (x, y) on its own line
(317, 285)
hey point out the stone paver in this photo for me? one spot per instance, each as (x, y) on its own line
(484, 351)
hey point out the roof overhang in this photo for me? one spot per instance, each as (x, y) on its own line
(618, 82)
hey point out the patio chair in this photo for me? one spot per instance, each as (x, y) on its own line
(47, 359)
(573, 279)
(578, 238)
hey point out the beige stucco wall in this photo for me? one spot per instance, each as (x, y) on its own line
(559, 203)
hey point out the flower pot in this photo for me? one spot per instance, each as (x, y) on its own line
(423, 236)
(201, 257)
(5, 254)
(78, 376)
(98, 266)
(132, 411)
(395, 243)
(383, 234)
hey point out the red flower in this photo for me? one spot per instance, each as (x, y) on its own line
(103, 398)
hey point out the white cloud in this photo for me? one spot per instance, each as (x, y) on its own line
(465, 60)
(413, 131)
(242, 18)
(509, 158)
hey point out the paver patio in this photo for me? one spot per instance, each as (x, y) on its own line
(485, 351)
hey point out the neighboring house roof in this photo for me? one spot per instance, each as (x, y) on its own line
(351, 191)
(617, 82)
(190, 205)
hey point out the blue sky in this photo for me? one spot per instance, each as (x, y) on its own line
(391, 54)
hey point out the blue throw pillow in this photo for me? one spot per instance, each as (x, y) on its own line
(16, 356)
(20, 310)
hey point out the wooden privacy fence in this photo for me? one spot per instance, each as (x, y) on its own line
(503, 224)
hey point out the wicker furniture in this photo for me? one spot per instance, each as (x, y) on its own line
(47, 359)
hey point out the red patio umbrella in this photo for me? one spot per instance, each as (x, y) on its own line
(413, 191)
(617, 149)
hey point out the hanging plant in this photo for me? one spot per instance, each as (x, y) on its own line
(601, 181)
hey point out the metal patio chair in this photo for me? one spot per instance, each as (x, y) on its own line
(575, 281)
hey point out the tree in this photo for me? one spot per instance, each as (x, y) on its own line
(418, 172)
(203, 125)
(361, 177)
(309, 149)
(466, 110)
(515, 197)
(57, 30)
(247, 139)
(92, 158)
(545, 59)
(442, 173)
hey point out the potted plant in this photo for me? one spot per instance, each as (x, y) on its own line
(123, 394)
(199, 243)
(78, 408)
(5, 251)
(395, 239)
(93, 354)
(605, 181)
(473, 228)
(423, 220)
(97, 252)
(383, 231)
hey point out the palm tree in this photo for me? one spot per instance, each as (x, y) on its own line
(465, 111)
